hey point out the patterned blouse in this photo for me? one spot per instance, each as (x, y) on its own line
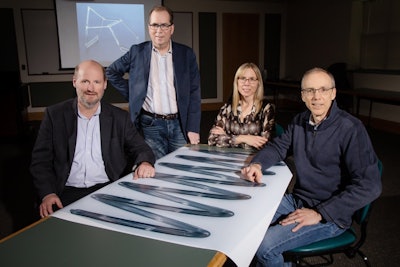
(261, 124)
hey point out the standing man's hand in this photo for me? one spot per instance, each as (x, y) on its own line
(144, 170)
(46, 207)
(194, 138)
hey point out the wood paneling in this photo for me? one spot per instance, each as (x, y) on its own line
(240, 45)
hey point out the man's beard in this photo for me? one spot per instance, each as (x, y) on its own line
(88, 104)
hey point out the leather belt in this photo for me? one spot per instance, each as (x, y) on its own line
(159, 116)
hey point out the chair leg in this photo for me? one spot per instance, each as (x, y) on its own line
(364, 257)
(302, 262)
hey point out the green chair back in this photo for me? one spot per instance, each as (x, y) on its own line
(344, 243)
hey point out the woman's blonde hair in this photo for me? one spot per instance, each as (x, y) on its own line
(259, 94)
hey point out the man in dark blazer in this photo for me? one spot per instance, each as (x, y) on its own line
(83, 144)
(166, 70)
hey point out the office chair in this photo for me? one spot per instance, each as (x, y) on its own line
(279, 129)
(348, 242)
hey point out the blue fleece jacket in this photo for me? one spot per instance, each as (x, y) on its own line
(336, 166)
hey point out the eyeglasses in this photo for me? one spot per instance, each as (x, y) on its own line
(251, 80)
(163, 27)
(312, 91)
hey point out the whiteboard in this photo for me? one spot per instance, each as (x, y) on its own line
(41, 45)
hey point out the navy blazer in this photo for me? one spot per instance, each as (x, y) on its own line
(54, 148)
(136, 62)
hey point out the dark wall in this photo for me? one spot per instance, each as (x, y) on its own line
(8, 45)
(44, 94)
(317, 34)
(12, 97)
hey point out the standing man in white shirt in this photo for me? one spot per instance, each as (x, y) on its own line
(163, 89)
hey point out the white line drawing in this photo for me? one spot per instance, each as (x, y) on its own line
(96, 23)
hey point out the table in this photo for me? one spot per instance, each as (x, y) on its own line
(372, 95)
(209, 177)
(283, 87)
(56, 242)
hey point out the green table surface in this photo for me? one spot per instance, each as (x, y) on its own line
(56, 242)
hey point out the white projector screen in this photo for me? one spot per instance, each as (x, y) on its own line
(100, 30)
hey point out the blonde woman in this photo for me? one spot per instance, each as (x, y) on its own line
(246, 121)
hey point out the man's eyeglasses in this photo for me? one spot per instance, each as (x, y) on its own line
(312, 91)
(250, 80)
(163, 27)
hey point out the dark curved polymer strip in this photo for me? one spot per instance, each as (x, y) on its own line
(213, 160)
(224, 162)
(211, 192)
(183, 229)
(210, 171)
(224, 152)
(202, 210)
(232, 180)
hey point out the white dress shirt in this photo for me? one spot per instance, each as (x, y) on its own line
(88, 166)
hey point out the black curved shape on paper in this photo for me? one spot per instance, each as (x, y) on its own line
(211, 192)
(224, 162)
(224, 152)
(213, 160)
(182, 179)
(183, 229)
(210, 171)
(201, 209)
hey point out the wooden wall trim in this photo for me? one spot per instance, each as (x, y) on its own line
(211, 106)
(387, 126)
(35, 116)
(38, 116)
(384, 125)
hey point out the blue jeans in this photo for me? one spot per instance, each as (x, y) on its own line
(280, 238)
(163, 136)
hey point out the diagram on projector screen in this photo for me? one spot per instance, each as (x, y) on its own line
(106, 32)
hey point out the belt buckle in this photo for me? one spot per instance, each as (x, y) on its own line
(161, 116)
(168, 116)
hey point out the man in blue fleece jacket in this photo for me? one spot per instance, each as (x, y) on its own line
(336, 166)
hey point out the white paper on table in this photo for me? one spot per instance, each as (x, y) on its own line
(238, 236)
